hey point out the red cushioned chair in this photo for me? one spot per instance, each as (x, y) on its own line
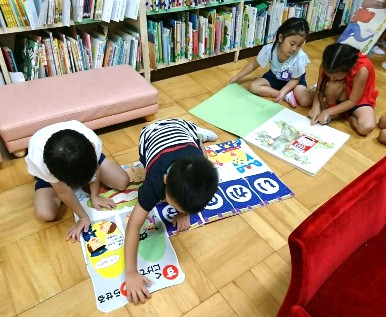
(338, 254)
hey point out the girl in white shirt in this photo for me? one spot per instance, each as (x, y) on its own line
(286, 79)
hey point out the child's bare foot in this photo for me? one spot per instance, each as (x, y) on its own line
(382, 122)
(382, 136)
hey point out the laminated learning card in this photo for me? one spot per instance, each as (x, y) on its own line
(366, 26)
(245, 182)
(103, 246)
(271, 127)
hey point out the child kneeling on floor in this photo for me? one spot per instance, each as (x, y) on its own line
(346, 86)
(66, 156)
(178, 172)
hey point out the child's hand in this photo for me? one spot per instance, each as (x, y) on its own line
(136, 287)
(280, 96)
(313, 114)
(324, 117)
(99, 202)
(182, 222)
(82, 225)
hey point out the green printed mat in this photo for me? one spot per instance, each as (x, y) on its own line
(236, 110)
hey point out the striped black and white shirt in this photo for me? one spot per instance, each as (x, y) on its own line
(160, 144)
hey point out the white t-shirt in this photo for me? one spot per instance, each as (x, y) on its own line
(34, 159)
(295, 65)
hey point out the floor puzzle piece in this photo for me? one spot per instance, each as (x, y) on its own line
(269, 187)
(103, 247)
(245, 182)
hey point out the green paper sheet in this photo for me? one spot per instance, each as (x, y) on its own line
(236, 110)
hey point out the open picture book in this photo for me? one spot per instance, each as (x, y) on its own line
(271, 127)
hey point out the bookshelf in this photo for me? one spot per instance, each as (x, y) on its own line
(43, 49)
(319, 13)
(197, 24)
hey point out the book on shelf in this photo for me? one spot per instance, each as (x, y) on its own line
(2, 83)
(9, 16)
(27, 53)
(4, 69)
(3, 24)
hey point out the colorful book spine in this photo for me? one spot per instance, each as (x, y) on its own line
(8, 14)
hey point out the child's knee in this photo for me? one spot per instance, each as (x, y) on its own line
(336, 90)
(45, 215)
(365, 128)
(254, 88)
(123, 182)
(304, 100)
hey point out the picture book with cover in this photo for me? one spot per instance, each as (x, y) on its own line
(366, 26)
(103, 246)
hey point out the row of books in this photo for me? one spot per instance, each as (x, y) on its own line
(188, 35)
(37, 13)
(191, 36)
(45, 53)
(156, 5)
(297, 10)
(321, 14)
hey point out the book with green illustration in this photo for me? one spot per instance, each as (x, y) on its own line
(271, 127)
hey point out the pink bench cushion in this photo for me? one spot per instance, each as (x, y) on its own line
(85, 96)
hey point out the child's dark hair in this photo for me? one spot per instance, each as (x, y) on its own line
(192, 182)
(70, 157)
(339, 57)
(292, 26)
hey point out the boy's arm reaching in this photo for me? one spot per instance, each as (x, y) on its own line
(98, 201)
(245, 71)
(135, 282)
(67, 196)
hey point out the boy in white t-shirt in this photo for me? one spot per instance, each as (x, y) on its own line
(65, 156)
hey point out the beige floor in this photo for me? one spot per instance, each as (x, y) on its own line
(239, 266)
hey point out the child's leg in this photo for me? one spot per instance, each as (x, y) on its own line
(303, 96)
(262, 88)
(47, 204)
(363, 120)
(112, 175)
(335, 92)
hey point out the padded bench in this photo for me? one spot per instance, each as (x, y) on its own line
(98, 98)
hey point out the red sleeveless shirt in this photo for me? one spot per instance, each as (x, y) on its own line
(370, 94)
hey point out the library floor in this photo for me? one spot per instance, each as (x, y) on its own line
(239, 266)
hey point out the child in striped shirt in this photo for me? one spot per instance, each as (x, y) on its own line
(177, 171)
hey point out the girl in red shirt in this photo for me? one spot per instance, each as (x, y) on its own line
(346, 85)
